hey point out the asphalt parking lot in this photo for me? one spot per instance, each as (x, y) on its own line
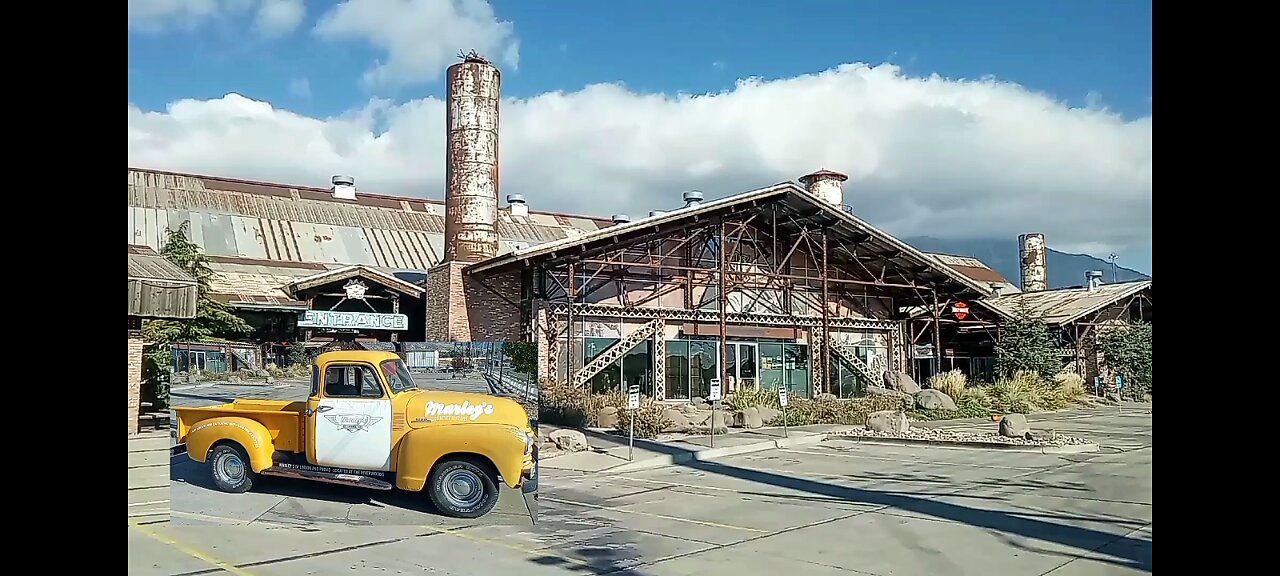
(845, 508)
(832, 508)
(289, 502)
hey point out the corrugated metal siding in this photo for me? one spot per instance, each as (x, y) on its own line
(305, 228)
(158, 300)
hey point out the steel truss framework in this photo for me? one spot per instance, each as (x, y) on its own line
(775, 265)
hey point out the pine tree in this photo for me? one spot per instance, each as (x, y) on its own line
(1025, 345)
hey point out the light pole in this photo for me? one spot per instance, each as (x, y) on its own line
(1113, 258)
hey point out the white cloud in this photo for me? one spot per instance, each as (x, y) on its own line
(279, 17)
(420, 37)
(925, 155)
(270, 17)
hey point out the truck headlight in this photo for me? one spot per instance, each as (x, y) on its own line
(528, 443)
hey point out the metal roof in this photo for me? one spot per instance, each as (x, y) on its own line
(159, 288)
(1064, 306)
(147, 264)
(844, 227)
(260, 235)
(976, 270)
(345, 272)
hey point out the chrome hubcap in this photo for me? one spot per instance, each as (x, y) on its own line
(463, 488)
(231, 468)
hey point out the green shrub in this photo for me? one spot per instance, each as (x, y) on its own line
(754, 397)
(853, 411)
(952, 383)
(650, 416)
(1070, 384)
(568, 405)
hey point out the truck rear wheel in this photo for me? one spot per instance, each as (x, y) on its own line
(230, 469)
(461, 488)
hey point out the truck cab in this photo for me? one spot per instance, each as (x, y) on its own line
(366, 423)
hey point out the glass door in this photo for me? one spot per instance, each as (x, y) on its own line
(746, 362)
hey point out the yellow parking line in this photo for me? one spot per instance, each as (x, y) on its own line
(517, 547)
(190, 551)
(233, 521)
(652, 515)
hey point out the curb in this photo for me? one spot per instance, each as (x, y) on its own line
(1068, 449)
(710, 454)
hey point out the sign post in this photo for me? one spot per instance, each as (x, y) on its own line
(783, 401)
(714, 397)
(633, 404)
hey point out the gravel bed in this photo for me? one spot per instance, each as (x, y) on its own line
(937, 435)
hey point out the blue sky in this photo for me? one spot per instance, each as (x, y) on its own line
(1082, 54)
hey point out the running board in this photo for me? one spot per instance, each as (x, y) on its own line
(344, 479)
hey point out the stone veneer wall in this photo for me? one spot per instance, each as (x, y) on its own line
(462, 309)
(135, 379)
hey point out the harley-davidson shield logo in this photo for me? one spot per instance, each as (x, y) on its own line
(353, 422)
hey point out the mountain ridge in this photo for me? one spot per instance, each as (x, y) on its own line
(1065, 269)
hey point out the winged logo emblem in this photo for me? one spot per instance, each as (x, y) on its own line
(353, 422)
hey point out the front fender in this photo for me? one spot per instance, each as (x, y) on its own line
(420, 449)
(249, 434)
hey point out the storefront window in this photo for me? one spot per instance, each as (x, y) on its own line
(772, 375)
(637, 367)
(611, 377)
(795, 361)
(703, 366)
(677, 366)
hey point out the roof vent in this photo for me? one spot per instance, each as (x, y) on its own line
(995, 288)
(344, 187)
(653, 213)
(621, 218)
(517, 205)
(692, 198)
(1093, 279)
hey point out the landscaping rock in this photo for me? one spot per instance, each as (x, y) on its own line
(826, 397)
(607, 417)
(767, 414)
(1040, 435)
(882, 391)
(677, 421)
(935, 400)
(750, 418)
(901, 381)
(1014, 426)
(689, 408)
(569, 440)
(942, 435)
(888, 421)
(718, 422)
(698, 417)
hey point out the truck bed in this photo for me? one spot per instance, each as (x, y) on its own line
(284, 419)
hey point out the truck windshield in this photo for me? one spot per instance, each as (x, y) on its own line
(398, 375)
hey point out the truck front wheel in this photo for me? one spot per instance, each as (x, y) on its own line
(462, 489)
(230, 469)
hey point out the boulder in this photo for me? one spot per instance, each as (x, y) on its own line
(718, 422)
(698, 417)
(689, 408)
(677, 421)
(882, 391)
(826, 397)
(1041, 435)
(569, 440)
(1014, 426)
(767, 414)
(271, 379)
(901, 381)
(750, 418)
(935, 400)
(894, 421)
(607, 417)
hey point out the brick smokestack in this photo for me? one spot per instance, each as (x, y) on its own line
(474, 88)
(1033, 257)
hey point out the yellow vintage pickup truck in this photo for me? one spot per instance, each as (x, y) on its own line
(367, 424)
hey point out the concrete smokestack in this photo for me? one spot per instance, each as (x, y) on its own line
(826, 185)
(474, 88)
(1034, 260)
